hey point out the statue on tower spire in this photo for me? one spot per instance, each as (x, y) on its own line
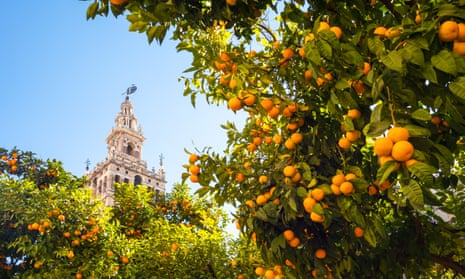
(130, 91)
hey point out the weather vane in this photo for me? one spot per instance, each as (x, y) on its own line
(130, 91)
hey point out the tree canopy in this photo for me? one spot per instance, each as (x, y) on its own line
(350, 162)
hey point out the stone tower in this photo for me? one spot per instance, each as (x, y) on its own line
(124, 159)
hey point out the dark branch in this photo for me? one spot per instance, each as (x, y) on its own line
(449, 263)
(390, 7)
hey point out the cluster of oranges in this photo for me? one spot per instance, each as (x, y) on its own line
(452, 31)
(395, 147)
(341, 184)
(353, 135)
(11, 162)
(272, 273)
(194, 169)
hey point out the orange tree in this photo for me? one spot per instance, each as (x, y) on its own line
(52, 227)
(348, 163)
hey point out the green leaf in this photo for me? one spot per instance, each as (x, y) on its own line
(418, 131)
(458, 88)
(429, 73)
(385, 170)
(423, 172)
(414, 194)
(375, 129)
(421, 114)
(92, 10)
(413, 54)
(325, 49)
(394, 61)
(278, 243)
(301, 192)
(444, 61)
(376, 46)
(369, 236)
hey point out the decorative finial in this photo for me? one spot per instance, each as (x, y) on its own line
(87, 162)
(161, 159)
(130, 91)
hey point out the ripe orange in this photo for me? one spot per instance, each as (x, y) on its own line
(380, 31)
(366, 68)
(346, 188)
(323, 26)
(289, 171)
(240, 177)
(124, 259)
(358, 232)
(294, 242)
(335, 189)
(397, 134)
(61, 217)
(261, 200)
(297, 177)
(225, 57)
(263, 179)
(337, 31)
(249, 99)
(35, 226)
(240, 276)
(250, 203)
(67, 234)
(383, 146)
(277, 139)
(317, 218)
(393, 32)
(418, 18)
(353, 135)
(234, 104)
(70, 255)
(75, 242)
(78, 275)
(4, 157)
(274, 112)
(344, 143)
(410, 162)
(372, 190)
(350, 176)
(288, 235)
(320, 253)
(231, 2)
(383, 159)
(359, 86)
(436, 120)
(109, 253)
(338, 179)
(308, 203)
(354, 113)
(383, 186)
(260, 271)
(119, 2)
(461, 34)
(194, 169)
(289, 144)
(318, 194)
(448, 31)
(402, 151)
(270, 274)
(287, 53)
(297, 138)
(267, 104)
(459, 48)
(194, 178)
(308, 74)
(193, 158)
(174, 246)
(257, 141)
(232, 83)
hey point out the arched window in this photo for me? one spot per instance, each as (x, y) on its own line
(137, 180)
(126, 180)
(117, 178)
(130, 149)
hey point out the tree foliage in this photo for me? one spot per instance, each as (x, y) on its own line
(51, 226)
(321, 82)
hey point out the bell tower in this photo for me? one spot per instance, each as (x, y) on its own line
(124, 158)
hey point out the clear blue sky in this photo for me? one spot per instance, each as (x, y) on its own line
(61, 83)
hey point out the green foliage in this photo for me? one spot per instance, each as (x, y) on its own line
(292, 77)
(52, 227)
